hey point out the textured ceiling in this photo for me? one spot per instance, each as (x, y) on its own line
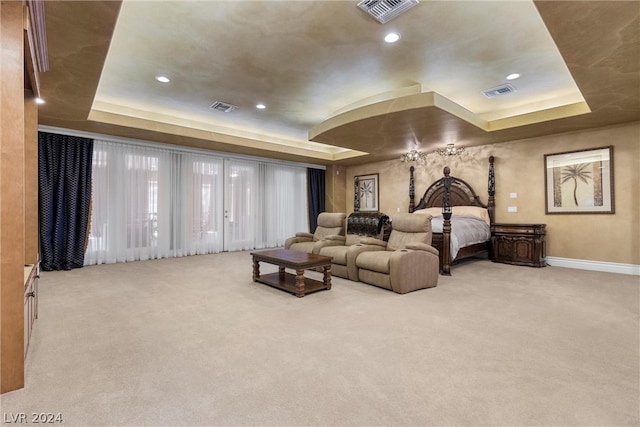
(333, 89)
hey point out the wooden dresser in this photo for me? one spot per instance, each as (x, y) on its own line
(519, 244)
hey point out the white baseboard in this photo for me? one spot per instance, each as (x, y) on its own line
(581, 264)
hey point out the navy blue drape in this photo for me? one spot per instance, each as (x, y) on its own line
(315, 195)
(64, 199)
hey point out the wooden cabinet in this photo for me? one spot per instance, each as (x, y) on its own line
(519, 244)
(19, 180)
(31, 276)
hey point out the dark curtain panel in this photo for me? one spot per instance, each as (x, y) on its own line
(64, 199)
(315, 195)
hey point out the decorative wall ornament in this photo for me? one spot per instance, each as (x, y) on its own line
(450, 150)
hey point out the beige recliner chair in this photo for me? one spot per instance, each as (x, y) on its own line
(407, 262)
(328, 224)
(343, 249)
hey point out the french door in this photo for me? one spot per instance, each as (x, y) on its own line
(263, 204)
(242, 201)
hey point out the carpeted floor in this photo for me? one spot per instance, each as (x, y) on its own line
(193, 341)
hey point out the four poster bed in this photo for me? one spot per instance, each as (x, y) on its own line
(461, 222)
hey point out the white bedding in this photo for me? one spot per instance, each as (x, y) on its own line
(465, 231)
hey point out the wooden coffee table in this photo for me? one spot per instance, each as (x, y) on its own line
(298, 261)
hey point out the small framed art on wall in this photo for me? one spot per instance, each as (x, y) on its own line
(578, 182)
(366, 196)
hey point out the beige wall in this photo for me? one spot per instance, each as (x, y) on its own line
(335, 188)
(520, 169)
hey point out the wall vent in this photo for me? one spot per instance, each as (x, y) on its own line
(385, 10)
(499, 90)
(223, 106)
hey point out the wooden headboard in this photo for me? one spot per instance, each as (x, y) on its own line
(460, 192)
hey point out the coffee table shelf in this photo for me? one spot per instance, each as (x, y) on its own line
(298, 261)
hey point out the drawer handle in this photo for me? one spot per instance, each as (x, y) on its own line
(31, 294)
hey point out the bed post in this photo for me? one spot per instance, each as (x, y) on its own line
(445, 257)
(412, 191)
(491, 205)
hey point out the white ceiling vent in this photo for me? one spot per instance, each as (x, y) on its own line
(385, 10)
(499, 90)
(223, 106)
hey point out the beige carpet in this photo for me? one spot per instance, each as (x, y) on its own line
(192, 341)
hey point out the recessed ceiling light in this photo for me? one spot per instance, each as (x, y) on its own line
(392, 37)
(261, 106)
(39, 101)
(513, 76)
(163, 79)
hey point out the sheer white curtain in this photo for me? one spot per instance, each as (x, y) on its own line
(203, 220)
(194, 202)
(124, 211)
(243, 205)
(152, 203)
(284, 215)
(267, 203)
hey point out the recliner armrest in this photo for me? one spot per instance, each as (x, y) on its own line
(353, 252)
(304, 234)
(291, 240)
(419, 246)
(326, 242)
(373, 241)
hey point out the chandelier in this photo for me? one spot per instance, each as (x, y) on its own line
(414, 156)
(450, 150)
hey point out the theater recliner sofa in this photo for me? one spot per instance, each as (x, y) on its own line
(343, 249)
(328, 224)
(407, 262)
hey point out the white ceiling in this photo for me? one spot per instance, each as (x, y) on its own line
(313, 62)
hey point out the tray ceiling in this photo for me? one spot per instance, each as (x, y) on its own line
(334, 91)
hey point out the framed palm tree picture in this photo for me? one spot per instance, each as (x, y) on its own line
(579, 182)
(366, 193)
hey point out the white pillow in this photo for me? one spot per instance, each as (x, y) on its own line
(474, 211)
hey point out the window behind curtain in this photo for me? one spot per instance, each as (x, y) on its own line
(285, 186)
(155, 203)
(266, 204)
(243, 209)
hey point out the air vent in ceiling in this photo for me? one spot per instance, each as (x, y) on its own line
(499, 90)
(385, 10)
(222, 106)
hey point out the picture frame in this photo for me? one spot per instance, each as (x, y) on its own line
(579, 182)
(366, 193)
